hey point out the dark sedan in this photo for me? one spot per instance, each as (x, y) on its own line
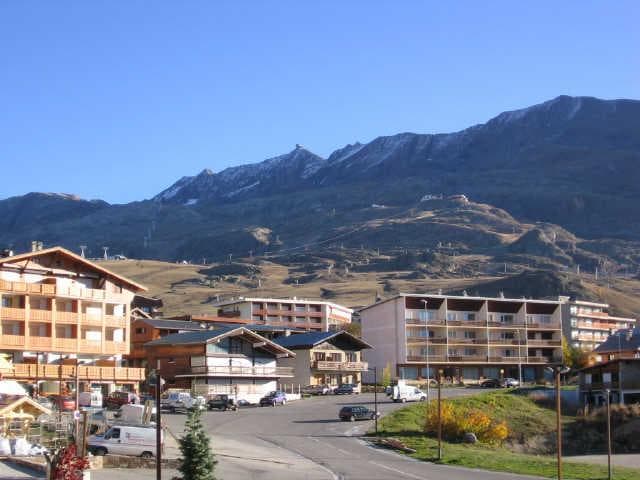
(357, 412)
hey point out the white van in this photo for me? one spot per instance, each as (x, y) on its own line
(134, 413)
(407, 393)
(90, 399)
(139, 441)
(180, 400)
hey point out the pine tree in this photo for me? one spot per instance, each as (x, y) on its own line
(197, 461)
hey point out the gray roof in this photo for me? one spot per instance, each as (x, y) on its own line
(310, 340)
(187, 338)
(173, 324)
(624, 340)
(205, 336)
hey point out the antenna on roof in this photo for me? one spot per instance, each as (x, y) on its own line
(83, 248)
(106, 254)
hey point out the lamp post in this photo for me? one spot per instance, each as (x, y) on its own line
(158, 382)
(608, 392)
(440, 372)
(426, 326)
(558, 370)
(375, 396)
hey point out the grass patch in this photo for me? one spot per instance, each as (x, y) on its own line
(525, 419)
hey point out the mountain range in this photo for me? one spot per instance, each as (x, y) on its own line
(557, 181)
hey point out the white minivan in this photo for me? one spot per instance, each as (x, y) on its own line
(139, 441)
(407, 393)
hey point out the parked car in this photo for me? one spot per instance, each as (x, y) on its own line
(347, 388)
(388, 390)
(490, 383)
(118, 398)
(181, 401)
(274, 398)
(509, 382)
(357, 412)
(222, 402)
(63, 403)
(316, 390)
(125, 440)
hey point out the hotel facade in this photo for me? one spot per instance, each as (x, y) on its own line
(469, 338)
(586, 325)
(63, 317)
(311, 315)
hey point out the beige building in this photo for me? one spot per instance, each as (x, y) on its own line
(587, 324)
(324, 358)
(313, 315)
(470, 338)
(62, 316)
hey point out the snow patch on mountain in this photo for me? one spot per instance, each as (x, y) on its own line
(241, 189)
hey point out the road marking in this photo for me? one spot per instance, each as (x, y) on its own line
(344, 452)
(410, 475)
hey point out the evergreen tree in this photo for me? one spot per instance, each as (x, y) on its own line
(197, 461)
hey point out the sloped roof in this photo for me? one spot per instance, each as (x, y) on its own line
(310, 340)
(21, 406)
(208, 336)
(624, 340)
(171, 324)
(63, 251)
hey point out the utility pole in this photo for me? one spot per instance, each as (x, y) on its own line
(158, 424)
(440, 415)
(106, 252)
(608, 392)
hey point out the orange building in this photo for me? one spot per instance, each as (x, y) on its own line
(64, 317)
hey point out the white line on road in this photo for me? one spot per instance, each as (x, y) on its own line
(406, 475)
(345, 452)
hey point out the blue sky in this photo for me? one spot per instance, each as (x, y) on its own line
(117, 100)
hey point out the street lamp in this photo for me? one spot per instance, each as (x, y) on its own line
(375, 396)
(426, 326)
(608, 392)
(558, 370)
(440, 373)
(519, 360)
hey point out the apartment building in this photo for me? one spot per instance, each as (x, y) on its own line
(232, 360)
(325, 358)
(64, 317)
(587, 324)
(469, 338)
(623, 343)
(298, 313)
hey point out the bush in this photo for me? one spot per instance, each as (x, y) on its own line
(458, 420)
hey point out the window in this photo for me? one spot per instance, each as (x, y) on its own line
(469, 352)
(301, 319)
(300, 308)
(507, 336)
(469, 334)
(235, 346)
(470, 316)
(451, 316)
(574, 322)
(140, 330)
(505, 318)
(452, 334)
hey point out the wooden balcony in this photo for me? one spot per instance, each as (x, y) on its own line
(9, 313)
(510, 359)
(37, 315)
(86, 319)
(467, 358)
(11, 341)
(90, 346)
(114, 321)
(466, 323)
(65, 345)
(340, 366)
(67, 372)
(543, 326)
(67, 318)
(58, 291)
(513, 325)
(114, 348)
(542, 359)
(230, 371)
(506, 341)
(40, 342)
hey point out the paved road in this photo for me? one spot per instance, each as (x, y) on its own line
(305, 440)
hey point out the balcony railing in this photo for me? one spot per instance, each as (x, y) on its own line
(65, 344)
(467, 358)
(90, 319)
(340, 366)
(231, 371)
(68, 318)
(543, 325)
(466, 323)
(544, 343)
(507, 359)
(12, 340)
(10, 313)
(37, 315)
(61, 291)
(84, 373)
(40, 342)
(423, 358)
(515, 324)
(542, 359)
(467, 341)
